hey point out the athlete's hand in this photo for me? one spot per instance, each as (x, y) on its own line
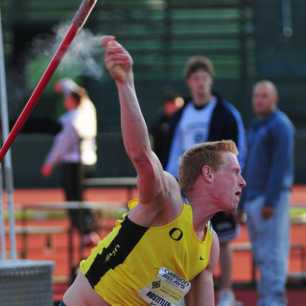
(117, 60)
(267, 212)
(46, 170)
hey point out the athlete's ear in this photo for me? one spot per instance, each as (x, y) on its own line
(207, 174)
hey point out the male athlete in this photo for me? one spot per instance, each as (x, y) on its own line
(163, 251)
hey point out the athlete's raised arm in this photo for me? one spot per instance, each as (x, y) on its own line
(135, 134)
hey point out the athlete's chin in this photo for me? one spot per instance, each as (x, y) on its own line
(235, 206)
(229, 207)
(232, 207)
(232, 210)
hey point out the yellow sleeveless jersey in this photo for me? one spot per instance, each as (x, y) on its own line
(131, 256)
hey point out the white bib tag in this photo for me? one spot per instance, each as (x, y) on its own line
(167, 289)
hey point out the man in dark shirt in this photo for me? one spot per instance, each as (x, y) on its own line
(269, 176)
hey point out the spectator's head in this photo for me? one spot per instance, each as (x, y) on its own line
(73, 93)
(199, 74)
(66, 86)
(265, 97)
(171, 104)
(213, 169)
(72, 101)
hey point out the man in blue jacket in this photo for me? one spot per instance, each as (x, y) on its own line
(208, 117)
(269, 176)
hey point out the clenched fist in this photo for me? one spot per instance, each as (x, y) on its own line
(117, 60)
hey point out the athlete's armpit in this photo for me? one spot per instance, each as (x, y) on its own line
(202, 286)
(214, 253)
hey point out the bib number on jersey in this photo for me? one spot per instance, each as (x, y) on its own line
(167, 289)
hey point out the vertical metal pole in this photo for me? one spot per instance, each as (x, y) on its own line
(2, 224)
(8, 170)
(8, 177)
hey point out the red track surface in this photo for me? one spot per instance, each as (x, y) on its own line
(55, 247)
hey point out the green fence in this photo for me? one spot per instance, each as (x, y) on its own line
(244, 39)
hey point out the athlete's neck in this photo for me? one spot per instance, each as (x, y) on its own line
(202, 211)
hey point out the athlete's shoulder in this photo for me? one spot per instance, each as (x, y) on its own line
(172, 180)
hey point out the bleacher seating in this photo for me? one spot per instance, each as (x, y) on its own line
(160, 34)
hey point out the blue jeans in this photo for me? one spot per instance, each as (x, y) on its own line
(270, 247)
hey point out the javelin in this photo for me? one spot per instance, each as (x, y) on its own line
(76, 25)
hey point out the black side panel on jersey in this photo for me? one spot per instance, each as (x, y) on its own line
(118, 250)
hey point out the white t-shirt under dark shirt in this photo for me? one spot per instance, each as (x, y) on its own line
(192, 129)
(194, 125)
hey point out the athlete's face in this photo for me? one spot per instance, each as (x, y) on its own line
(228, 183)
(200, 83)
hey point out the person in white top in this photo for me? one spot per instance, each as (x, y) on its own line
(206, 116)
(74, 150)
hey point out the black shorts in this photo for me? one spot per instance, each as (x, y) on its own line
(225, 226)
(61, 304)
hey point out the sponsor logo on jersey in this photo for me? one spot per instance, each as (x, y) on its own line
(176, 234)
(112, 253)
(155, 284)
